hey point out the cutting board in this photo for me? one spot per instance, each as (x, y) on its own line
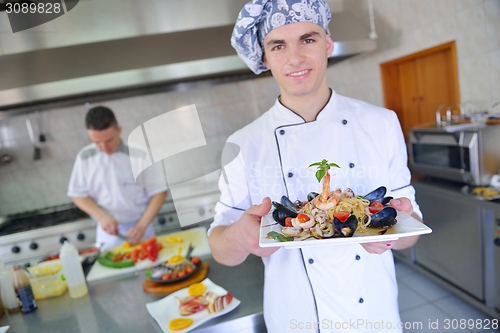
(195, 236)
(152, 287)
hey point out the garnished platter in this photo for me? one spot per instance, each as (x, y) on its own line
(407, 226)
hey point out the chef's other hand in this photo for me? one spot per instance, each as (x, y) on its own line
(135, 234)
(109, 225)
(249, 229)
(378, 247)
(403, 204)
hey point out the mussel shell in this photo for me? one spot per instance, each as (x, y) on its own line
(311, 196)
(351, 222)
(384, 201)
(376, 194)
(281, 212)
(384, 218)
(286, 202)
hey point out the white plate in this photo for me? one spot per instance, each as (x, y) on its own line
(167, 308)
(406, 226)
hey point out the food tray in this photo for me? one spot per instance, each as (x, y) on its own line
(407, 226)
(468, 190)
(167, 308)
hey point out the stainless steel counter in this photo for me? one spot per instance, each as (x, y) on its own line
(118, 305)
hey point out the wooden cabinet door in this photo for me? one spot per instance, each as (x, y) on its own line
(435, 84)
(416, 85)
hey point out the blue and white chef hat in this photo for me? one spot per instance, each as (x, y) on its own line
(258, 17)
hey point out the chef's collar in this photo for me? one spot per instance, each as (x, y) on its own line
(291, 117)
(122, 148)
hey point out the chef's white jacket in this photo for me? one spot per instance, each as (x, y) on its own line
(337, 288)
(109, 181)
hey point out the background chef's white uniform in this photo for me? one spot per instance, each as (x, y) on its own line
(337, 285)
(109, 181)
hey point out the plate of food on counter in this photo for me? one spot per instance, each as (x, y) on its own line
(188, 308)
(176, 269)
(336, 217)
(482, 192)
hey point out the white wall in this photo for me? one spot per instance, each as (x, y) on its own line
(404, 27)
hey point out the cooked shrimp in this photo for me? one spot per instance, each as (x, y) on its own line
(325, 200)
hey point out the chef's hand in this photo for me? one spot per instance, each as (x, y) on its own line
(135, 234)
(109, 225)
(403, 204)
(248, 227)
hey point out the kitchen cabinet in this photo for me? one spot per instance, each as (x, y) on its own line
(454, 250)
(415, 85)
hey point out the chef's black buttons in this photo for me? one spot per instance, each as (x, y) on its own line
(290, 175)
(344, 121)
(282, 132)
(17, 249)
(358, 257)
(361, 300)
(351, 165)
(311, 261)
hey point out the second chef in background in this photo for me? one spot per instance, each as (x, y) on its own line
(103, 185)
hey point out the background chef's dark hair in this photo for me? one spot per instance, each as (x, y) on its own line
(100, 118)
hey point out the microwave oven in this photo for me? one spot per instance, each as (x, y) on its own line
(469, 156)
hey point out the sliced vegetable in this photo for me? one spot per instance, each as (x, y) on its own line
(303, 218)
(279, 237)
(342, 216)
(375, 207)
(107, 260)
(152, 249)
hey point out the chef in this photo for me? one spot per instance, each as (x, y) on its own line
(102, 183)
(334, 288)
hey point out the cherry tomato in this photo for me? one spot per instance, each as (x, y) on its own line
(189, 269)
(143, 255)
(375, 207)
(288, 222)
(195, 260)
(303, 218)
(175, 274)
(128, 255)
(181, 273)
(342, 215)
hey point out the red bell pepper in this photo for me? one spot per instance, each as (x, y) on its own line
(153, 250)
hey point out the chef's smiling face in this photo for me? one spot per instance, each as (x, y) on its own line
(297, 55)
(107, 140)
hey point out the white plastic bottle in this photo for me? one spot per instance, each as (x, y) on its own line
(73, 271)
(7, 291)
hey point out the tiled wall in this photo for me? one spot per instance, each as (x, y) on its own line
(27, 184)
(403, 26)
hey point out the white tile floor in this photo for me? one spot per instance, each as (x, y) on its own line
(423, 301)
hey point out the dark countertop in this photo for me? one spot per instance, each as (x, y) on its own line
(118, 305)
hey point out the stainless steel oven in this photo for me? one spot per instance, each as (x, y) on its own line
(470, 156)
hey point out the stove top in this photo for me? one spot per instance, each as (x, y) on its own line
(41, 218)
